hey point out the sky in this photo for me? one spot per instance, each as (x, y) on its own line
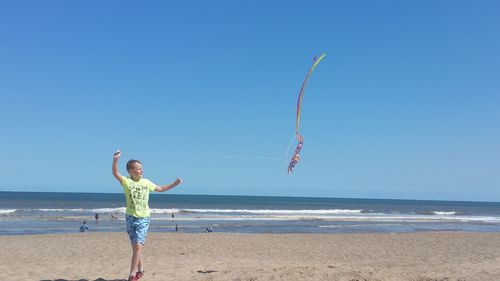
(405, 104)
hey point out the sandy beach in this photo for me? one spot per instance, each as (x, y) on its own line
(243, 257)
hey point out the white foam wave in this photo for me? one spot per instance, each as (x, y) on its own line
(416, 218)
(333, 218)
(264, 211)
(98, 210)
(269, 214)
(444, 213)
(163, 211)
(219, 211)
(108, 210)
(7, 211)
(59, 210)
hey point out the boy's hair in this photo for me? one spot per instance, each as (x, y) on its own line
(131, 162)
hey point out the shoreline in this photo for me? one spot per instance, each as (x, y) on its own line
(420, 256)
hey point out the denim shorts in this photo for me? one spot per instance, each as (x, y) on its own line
(137, 229)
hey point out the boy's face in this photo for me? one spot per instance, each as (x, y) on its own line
(136, 171)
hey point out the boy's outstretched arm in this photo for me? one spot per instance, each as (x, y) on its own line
(167, 187)
(117, 175)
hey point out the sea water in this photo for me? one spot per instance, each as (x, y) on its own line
(39, 213)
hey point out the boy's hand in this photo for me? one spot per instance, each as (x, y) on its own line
(178, 181)
(114, 168)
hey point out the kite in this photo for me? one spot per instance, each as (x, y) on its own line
(300, 139)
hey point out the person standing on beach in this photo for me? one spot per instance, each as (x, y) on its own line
(136, 189)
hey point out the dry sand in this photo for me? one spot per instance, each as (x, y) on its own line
(244, 257)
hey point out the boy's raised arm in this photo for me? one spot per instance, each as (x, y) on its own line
(169, 186)
(117, 175)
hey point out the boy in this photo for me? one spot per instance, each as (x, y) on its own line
(137, 190)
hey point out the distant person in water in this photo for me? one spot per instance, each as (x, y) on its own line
(96, 217)
(84, 227)
(137, 190)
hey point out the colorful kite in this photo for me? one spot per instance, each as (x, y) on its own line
(300, 139)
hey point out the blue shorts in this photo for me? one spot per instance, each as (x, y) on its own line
(137, 229)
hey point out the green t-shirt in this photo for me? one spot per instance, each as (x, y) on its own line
(137, 196)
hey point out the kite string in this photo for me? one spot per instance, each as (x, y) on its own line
(214, 156)
(288, 149)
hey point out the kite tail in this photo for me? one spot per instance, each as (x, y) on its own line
(296, 154)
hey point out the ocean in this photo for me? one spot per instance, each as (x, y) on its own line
(46, 212)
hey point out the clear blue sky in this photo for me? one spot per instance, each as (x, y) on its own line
(405, 104)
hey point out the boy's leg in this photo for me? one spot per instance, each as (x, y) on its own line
(139, 264)
(137, 229)
(142, 232)
(136, 261)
